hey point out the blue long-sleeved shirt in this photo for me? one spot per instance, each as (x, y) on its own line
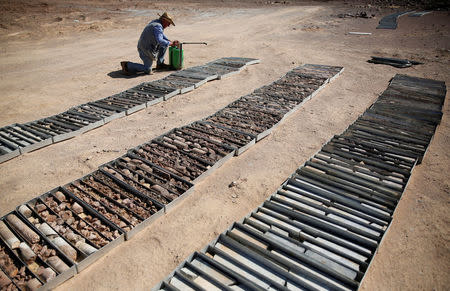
(158, 31)
(152, 37)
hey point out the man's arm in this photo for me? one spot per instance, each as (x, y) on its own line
(160, 37)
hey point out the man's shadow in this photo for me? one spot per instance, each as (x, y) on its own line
(119, 74)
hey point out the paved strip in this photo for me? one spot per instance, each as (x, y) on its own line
(390, 21)
(419, 13)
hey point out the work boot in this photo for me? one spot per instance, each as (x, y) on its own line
(125, 68)
(164, 67)
(149, 72)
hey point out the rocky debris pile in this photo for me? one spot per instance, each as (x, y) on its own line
(356, 15)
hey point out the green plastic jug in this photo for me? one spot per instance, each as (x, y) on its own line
(174, 58)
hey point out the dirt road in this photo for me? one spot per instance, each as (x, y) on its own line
(48, 67)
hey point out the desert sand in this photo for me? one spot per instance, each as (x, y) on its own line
(59, 54)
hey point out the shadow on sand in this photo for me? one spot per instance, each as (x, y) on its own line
(120, 74)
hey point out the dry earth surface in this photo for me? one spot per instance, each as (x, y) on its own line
(58, 54)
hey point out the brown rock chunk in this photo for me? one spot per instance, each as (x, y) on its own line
(127, 173)
(40, 207)
(198, 151)
(51, 218)
(180, 144)
(160, 190)
(60, 196)
(77, 208)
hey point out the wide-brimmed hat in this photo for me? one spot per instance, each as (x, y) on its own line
(166, 17)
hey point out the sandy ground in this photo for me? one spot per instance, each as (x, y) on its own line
(48, 66)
